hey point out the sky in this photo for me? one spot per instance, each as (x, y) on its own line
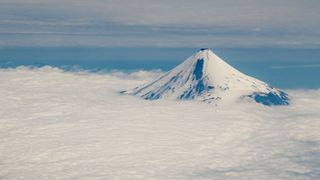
(273, 40)
(166, 23)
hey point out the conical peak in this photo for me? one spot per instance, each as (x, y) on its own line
(204, 49)
(212, 66)
(206, 77)
(206, 54)
(202, 53)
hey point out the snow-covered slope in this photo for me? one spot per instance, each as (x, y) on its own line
(206, 77)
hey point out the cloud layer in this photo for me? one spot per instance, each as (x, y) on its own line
(72, 125)
(230, 23)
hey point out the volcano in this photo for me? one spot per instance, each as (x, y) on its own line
(206, 77)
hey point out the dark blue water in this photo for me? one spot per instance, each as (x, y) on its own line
(284, 68)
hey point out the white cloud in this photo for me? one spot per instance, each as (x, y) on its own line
(141, 74)
(72, 125)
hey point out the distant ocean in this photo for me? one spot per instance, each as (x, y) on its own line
(283, 68)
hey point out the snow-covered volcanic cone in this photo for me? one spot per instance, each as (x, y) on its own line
(206, 77)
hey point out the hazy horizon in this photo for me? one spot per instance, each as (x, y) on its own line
(288, 68)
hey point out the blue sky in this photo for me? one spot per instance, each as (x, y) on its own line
(273, 40)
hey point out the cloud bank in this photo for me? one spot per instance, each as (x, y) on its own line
(175, 23)
(74, 125)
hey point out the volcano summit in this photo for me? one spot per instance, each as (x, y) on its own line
(206, 77)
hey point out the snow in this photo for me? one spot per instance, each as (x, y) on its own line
(206, 77)
(75, 125)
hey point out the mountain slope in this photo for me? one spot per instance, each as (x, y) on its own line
(206, 77)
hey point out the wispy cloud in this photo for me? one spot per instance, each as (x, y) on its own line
(162, 23)
(297, 66)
